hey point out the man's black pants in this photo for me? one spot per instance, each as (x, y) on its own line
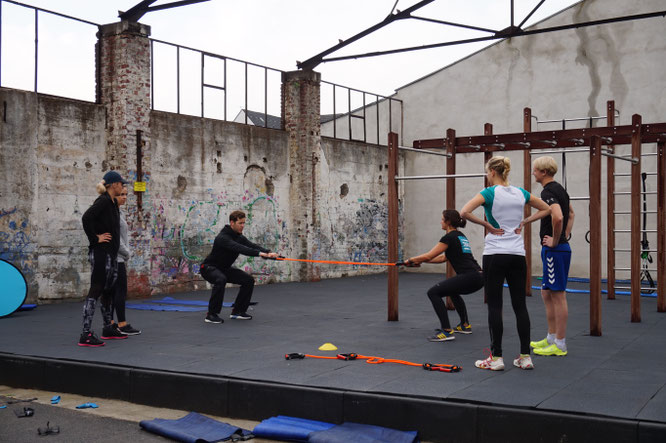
(219, 278)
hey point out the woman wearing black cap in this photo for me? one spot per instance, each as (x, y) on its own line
(101, 223)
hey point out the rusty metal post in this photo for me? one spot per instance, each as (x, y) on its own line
(392, 226)
(661, 226)
(610, 208)
(450, 193)
(487, 130)
(635, 261)
(527, 185)
(595, 236)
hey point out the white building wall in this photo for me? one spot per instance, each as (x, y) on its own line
(558, 75)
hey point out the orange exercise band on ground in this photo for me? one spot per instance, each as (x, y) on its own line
(336, 262)
(377, 360)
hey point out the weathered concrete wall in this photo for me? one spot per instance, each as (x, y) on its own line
(53, 152)
(558, 75)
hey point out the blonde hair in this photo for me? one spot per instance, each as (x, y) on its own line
(501, 165)
(101, 187)
(547, 164)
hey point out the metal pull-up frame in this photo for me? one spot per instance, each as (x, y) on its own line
(600, 142)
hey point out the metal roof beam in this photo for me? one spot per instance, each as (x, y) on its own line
(506, 33)
(312, 62)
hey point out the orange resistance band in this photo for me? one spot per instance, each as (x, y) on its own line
(378, 360)
(337, 262)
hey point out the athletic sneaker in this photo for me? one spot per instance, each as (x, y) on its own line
(539, 344)
(442, 335)
(111, 332)
(241, 316)
(524, 361)
(129, 330)
(213, 318)
(90, 339)
(550, 350)
(491, 363)
(460, 329)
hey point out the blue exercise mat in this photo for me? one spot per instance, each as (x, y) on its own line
(147, 307)
(289, 428)
(193, 428)
(14, 288)
(359, 433)
(173, 301)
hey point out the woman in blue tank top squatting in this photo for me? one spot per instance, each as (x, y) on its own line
(454, 248)
(504, 256)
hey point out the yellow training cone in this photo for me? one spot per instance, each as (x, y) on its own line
(328, 347)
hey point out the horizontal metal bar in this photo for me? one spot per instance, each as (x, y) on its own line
(221, 88)
(629, 230)
(628, 174)
(576, 119)
(629, 212)
(629, 269)
(629, 193)
(629, 250)
(629, 287)
(633, 160)
(561, 151)
(443, 154)
(210, 54)
(579, 198)
(438, 177)
(383, 97)
(51, 12)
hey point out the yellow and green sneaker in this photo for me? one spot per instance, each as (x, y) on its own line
(550, 350)
(539, 344)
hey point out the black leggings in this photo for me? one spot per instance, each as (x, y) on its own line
(453, 287)
(120, 293)
(513, 268)
(102, 281)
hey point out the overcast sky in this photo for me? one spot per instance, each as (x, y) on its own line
(275, 33)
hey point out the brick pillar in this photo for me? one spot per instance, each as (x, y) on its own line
(123, 86)
(301, 117)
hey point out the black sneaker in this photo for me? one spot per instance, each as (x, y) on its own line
(213, 318)
(111, 332)
(90, 339)
(241, 316)
(129, 330)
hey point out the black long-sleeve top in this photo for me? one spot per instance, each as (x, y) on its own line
(228, 246)
(103, 216)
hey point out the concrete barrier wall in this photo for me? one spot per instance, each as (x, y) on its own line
(53, 153)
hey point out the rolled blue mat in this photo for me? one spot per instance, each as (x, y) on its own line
(360, 433)
(289, 428)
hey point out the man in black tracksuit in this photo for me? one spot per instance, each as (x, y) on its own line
(217, 270)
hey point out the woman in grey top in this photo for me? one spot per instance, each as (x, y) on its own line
(121, 285)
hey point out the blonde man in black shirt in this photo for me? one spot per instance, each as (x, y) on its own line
(556, 256)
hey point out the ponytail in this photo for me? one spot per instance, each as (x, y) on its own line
(453, 217)
(101, 187)
(501, 165)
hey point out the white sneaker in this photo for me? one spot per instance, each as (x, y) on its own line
(491, 363)
(523, 362)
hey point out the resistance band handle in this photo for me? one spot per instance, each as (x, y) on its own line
(441, 368)
(350, 356)
(294, 356)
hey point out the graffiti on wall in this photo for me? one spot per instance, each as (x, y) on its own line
(15, 244)
(182, 235)
(15, 239)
